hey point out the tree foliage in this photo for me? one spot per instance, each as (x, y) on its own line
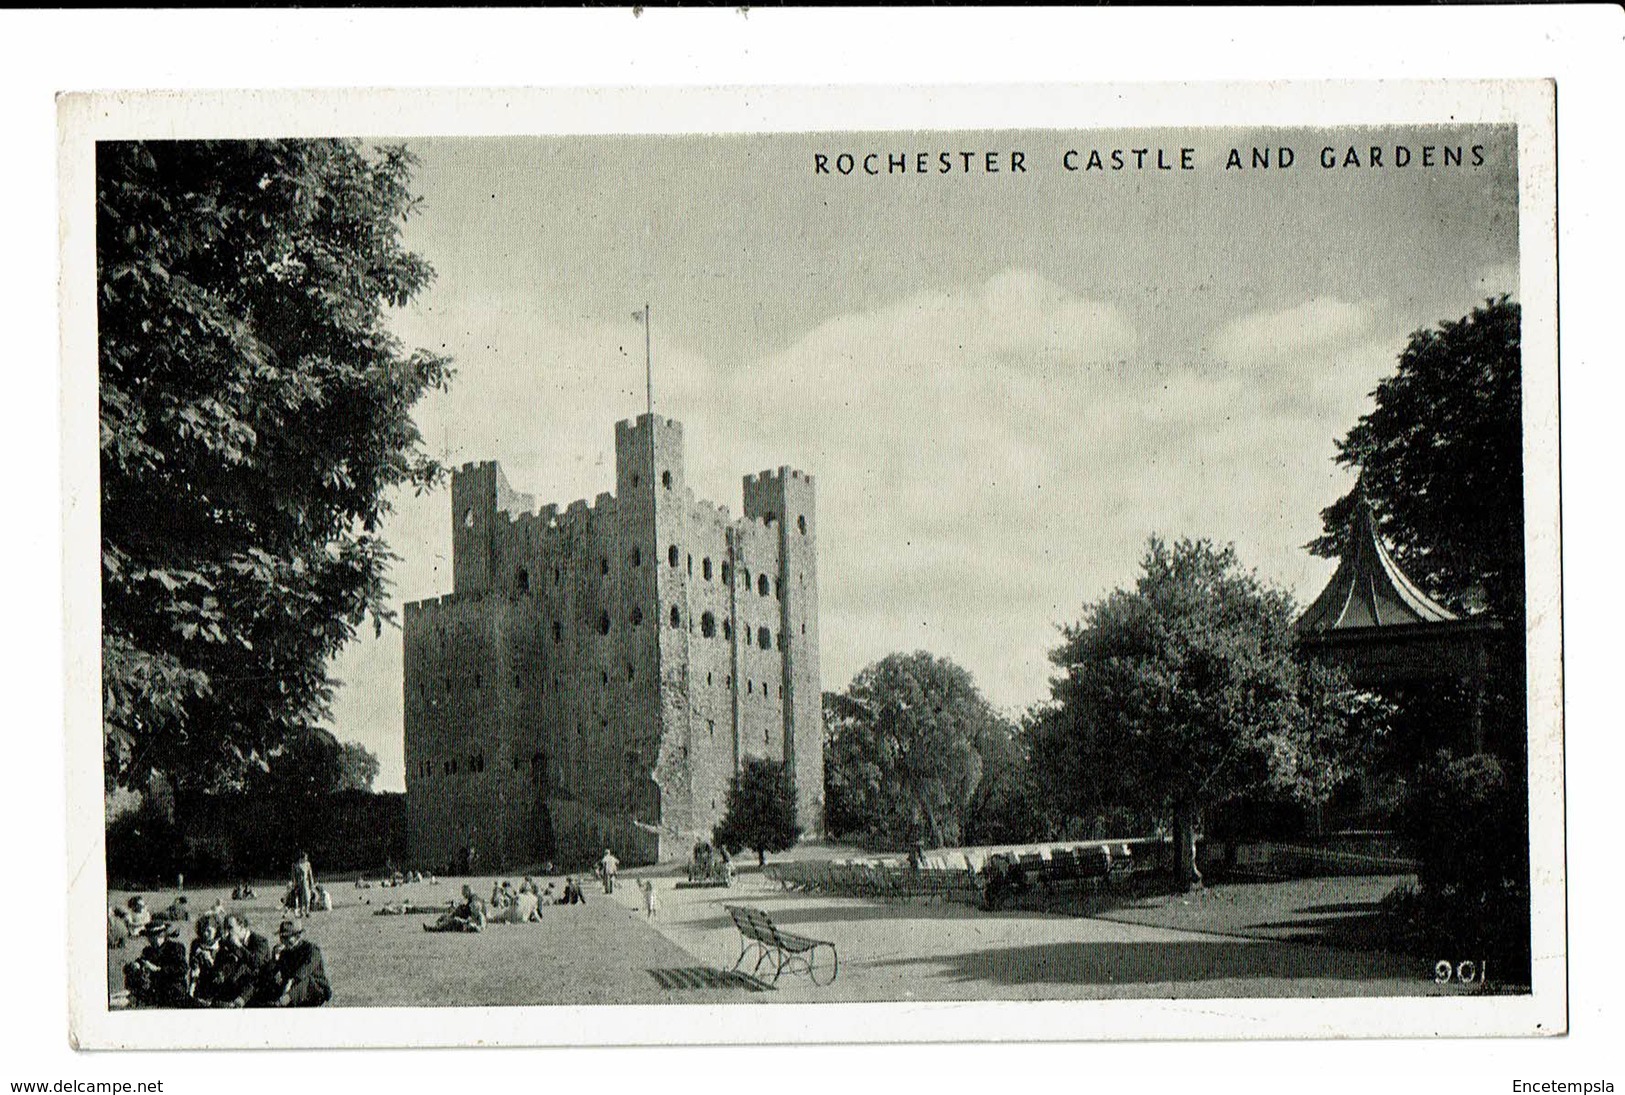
(1440, 457)
(255, 415)
(901, 757)
(1185, 691)
(1005, 807)
(761, 809)
(314, 762)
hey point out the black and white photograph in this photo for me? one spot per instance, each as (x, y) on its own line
(758, 568)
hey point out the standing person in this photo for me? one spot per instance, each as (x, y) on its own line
(648, 887)
(607, 868)
(298, 977)
(304, 885)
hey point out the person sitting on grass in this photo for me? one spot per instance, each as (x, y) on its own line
(243, 891)
(298, 979)
(118, 929)
(203, 959)
(572, 893)
(525, 909)
(157, 978)
(136, 914)
(467, 915)
(178, 910)
(242, 967)
(322, 901)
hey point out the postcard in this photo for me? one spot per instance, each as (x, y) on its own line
(762, 565)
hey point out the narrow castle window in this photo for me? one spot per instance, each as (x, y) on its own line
(761, 585)
(781, 640)
(603, 623)
(764, 639)
(708, 625)
(637, 557)
(676, 617)
(665, 479)
(555, 575)
(558, 632)
(673, 555)
(604, 674)
(691, 566)
(727, 630)
(476, 682)
(778, 589)
(750, 688)
(801, 523)
(711, 727)
(603, 564)
(630, 672)
(727, 573)
(635, 480)
(744, 574)
(705, 569)
(708, 680)
(516, 683)
(637, 615)
(521, 581)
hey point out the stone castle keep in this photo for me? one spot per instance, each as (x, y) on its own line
(598, 673)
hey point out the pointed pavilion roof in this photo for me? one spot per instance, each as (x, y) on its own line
(1369, 590)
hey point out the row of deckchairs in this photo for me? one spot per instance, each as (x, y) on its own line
(886, 881)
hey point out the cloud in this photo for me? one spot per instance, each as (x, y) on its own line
(1312, 327)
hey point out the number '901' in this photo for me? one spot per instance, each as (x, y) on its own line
(1461, 973)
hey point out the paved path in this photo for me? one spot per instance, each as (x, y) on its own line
(954, 952)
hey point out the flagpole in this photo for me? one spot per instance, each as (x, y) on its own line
(648, 361)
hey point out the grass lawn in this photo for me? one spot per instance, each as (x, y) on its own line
(597, 953)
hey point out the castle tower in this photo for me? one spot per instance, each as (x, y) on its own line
(651, 493)
(786, 502)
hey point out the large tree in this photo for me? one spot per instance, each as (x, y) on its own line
(1185, 692)
(900, 760)
(255, 417)
(1440, 457)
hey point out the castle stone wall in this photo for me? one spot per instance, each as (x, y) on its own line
(610, 662)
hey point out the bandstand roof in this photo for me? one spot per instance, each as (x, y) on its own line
(1369, 590)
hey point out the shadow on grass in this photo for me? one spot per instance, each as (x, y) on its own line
(1159, 963)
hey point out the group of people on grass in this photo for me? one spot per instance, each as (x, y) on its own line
(523, 904)
(227, 965)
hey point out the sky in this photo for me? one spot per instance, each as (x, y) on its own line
(1004, 383)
